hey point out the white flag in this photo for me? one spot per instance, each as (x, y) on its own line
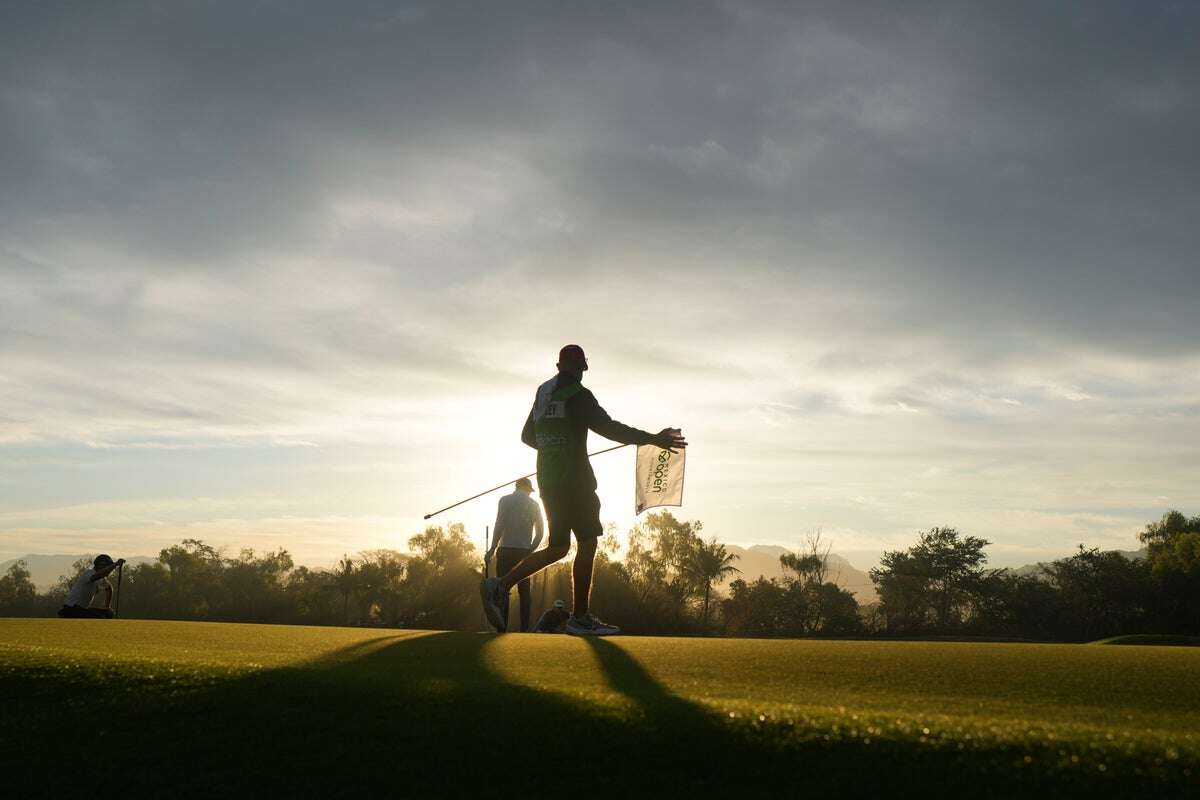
(658, 478)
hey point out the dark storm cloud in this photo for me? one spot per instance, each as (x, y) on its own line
(1030, 170)
(204, 131)
(1010, 138)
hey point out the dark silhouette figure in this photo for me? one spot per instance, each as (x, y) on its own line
(557, 426)
(83, 591)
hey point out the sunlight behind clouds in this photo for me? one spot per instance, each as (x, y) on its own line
(881, 280)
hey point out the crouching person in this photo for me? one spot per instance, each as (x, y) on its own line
(83, 591)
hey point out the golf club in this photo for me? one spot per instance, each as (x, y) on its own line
(506, 483)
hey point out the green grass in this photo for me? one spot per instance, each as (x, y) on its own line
(192, 709)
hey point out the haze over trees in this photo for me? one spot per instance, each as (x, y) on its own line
(802, 603)
(672, 580)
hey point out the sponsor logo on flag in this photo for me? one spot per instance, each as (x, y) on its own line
(658, 478)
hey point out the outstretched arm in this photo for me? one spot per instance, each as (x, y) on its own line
(599, 421)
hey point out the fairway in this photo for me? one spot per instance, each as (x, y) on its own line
(196, 709)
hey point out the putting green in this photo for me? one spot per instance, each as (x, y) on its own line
(258, 708)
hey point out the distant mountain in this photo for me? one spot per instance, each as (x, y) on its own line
(763, 561)
(45, 570)
(1039, 569)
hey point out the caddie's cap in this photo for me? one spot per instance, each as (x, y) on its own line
(102, 560)
(525, 483)
(571, 352)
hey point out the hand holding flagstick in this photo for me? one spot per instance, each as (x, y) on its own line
(670, 439)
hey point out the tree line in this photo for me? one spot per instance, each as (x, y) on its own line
(940, 586)
(673, 580)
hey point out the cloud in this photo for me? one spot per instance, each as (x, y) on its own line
(858, 239)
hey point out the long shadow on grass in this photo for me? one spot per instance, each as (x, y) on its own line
(425, 716)
(657, 703)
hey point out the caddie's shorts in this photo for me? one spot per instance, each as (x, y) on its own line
(568, 511)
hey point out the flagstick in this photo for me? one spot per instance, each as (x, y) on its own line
(486, 535)
(506, 483)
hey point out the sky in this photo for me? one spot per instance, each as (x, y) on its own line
(288, 274)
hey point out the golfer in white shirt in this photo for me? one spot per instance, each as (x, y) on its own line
(83, 591)
(517, 533)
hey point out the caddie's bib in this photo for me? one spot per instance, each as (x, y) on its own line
(552, 430)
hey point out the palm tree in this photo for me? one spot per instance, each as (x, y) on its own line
(709, 563)
(346, 580)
